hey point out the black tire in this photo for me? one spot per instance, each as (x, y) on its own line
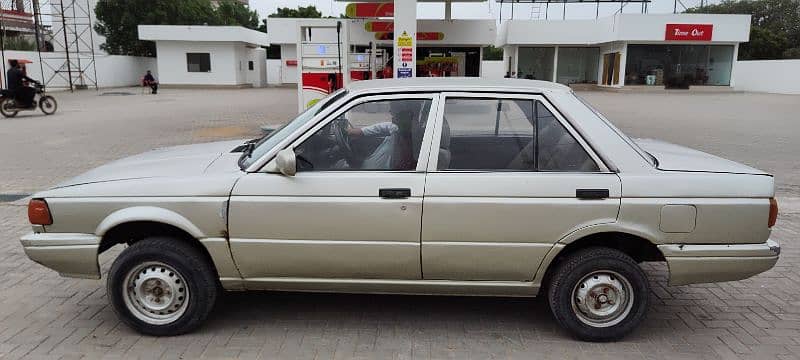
(6, 113)
(592, 274)
(201, 285)
(48, 105)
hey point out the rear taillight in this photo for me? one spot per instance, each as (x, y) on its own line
(773, 211)
(39, 212)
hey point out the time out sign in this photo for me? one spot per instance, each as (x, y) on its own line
(692, 32)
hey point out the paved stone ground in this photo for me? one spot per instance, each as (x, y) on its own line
(45, 316)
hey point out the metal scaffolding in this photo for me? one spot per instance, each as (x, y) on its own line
(536, 6)
(63, 36)
(72, 62)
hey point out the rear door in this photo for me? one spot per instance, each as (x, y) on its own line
(510, 178)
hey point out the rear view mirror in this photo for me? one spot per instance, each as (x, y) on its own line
(287, 162)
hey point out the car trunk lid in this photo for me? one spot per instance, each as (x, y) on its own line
(671, 157)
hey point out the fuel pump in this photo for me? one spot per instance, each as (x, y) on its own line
(359, 66)
(321, 60)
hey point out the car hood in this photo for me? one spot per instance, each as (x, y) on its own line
(184, 160)
(673, 157)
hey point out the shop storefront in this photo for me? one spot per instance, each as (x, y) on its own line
(696, 64)
(627, 49)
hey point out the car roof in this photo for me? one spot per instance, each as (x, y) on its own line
(457, 84)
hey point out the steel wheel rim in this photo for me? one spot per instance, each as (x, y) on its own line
(602, 298)
(155, 293)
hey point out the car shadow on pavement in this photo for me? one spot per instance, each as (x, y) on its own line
(265, 308)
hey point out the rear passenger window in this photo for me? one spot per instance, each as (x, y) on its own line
(507, 135)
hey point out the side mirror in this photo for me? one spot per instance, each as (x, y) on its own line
(287, 162)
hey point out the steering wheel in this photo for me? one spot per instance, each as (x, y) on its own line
(339, 128)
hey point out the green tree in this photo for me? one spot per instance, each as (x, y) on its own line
(492, 53)
(118, 20)
(231, 12)
(19, 43)
(775, 26)
(301, 12)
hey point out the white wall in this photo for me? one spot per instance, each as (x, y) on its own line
(257, 76)
(624, 27)
(112, 70)
(228, 63)
(274, 70)
(119, 71)
(288, 73)
(493, 69)
(651, 27)
(771, 76)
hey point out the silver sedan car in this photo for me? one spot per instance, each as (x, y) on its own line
(450, 186)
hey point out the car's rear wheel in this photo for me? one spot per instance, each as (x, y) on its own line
(162, 287)
(598, 294)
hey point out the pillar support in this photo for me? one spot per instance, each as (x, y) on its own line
(405, 34)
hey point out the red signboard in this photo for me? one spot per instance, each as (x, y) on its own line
(369, 10)
(690, 32)
(291, 62)
(379, 26)
(406, 54)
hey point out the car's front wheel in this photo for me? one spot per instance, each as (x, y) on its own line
(598, 294)
(162, 286)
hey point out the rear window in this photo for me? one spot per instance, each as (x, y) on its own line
(647, 156)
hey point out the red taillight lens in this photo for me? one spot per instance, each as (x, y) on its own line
(39, 212)
(773, 212)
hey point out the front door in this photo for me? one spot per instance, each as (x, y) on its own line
(354, 208)
(509, 181)
(611, 64)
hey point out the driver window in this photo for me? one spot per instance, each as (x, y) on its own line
(377, 135)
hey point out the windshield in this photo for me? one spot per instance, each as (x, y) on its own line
(268, 142)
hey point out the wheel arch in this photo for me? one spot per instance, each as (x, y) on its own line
(148, 214)
(130, 225)
(633, 243)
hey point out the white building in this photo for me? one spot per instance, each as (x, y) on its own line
(626, 49)
(218, 56)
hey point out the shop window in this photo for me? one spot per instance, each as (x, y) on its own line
(577, 65)
(251, 65)
(690, 64)
(198, 62)
(536, 63)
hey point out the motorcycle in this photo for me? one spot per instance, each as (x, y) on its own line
(10, 108)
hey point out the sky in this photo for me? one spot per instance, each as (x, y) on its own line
(486, 10)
